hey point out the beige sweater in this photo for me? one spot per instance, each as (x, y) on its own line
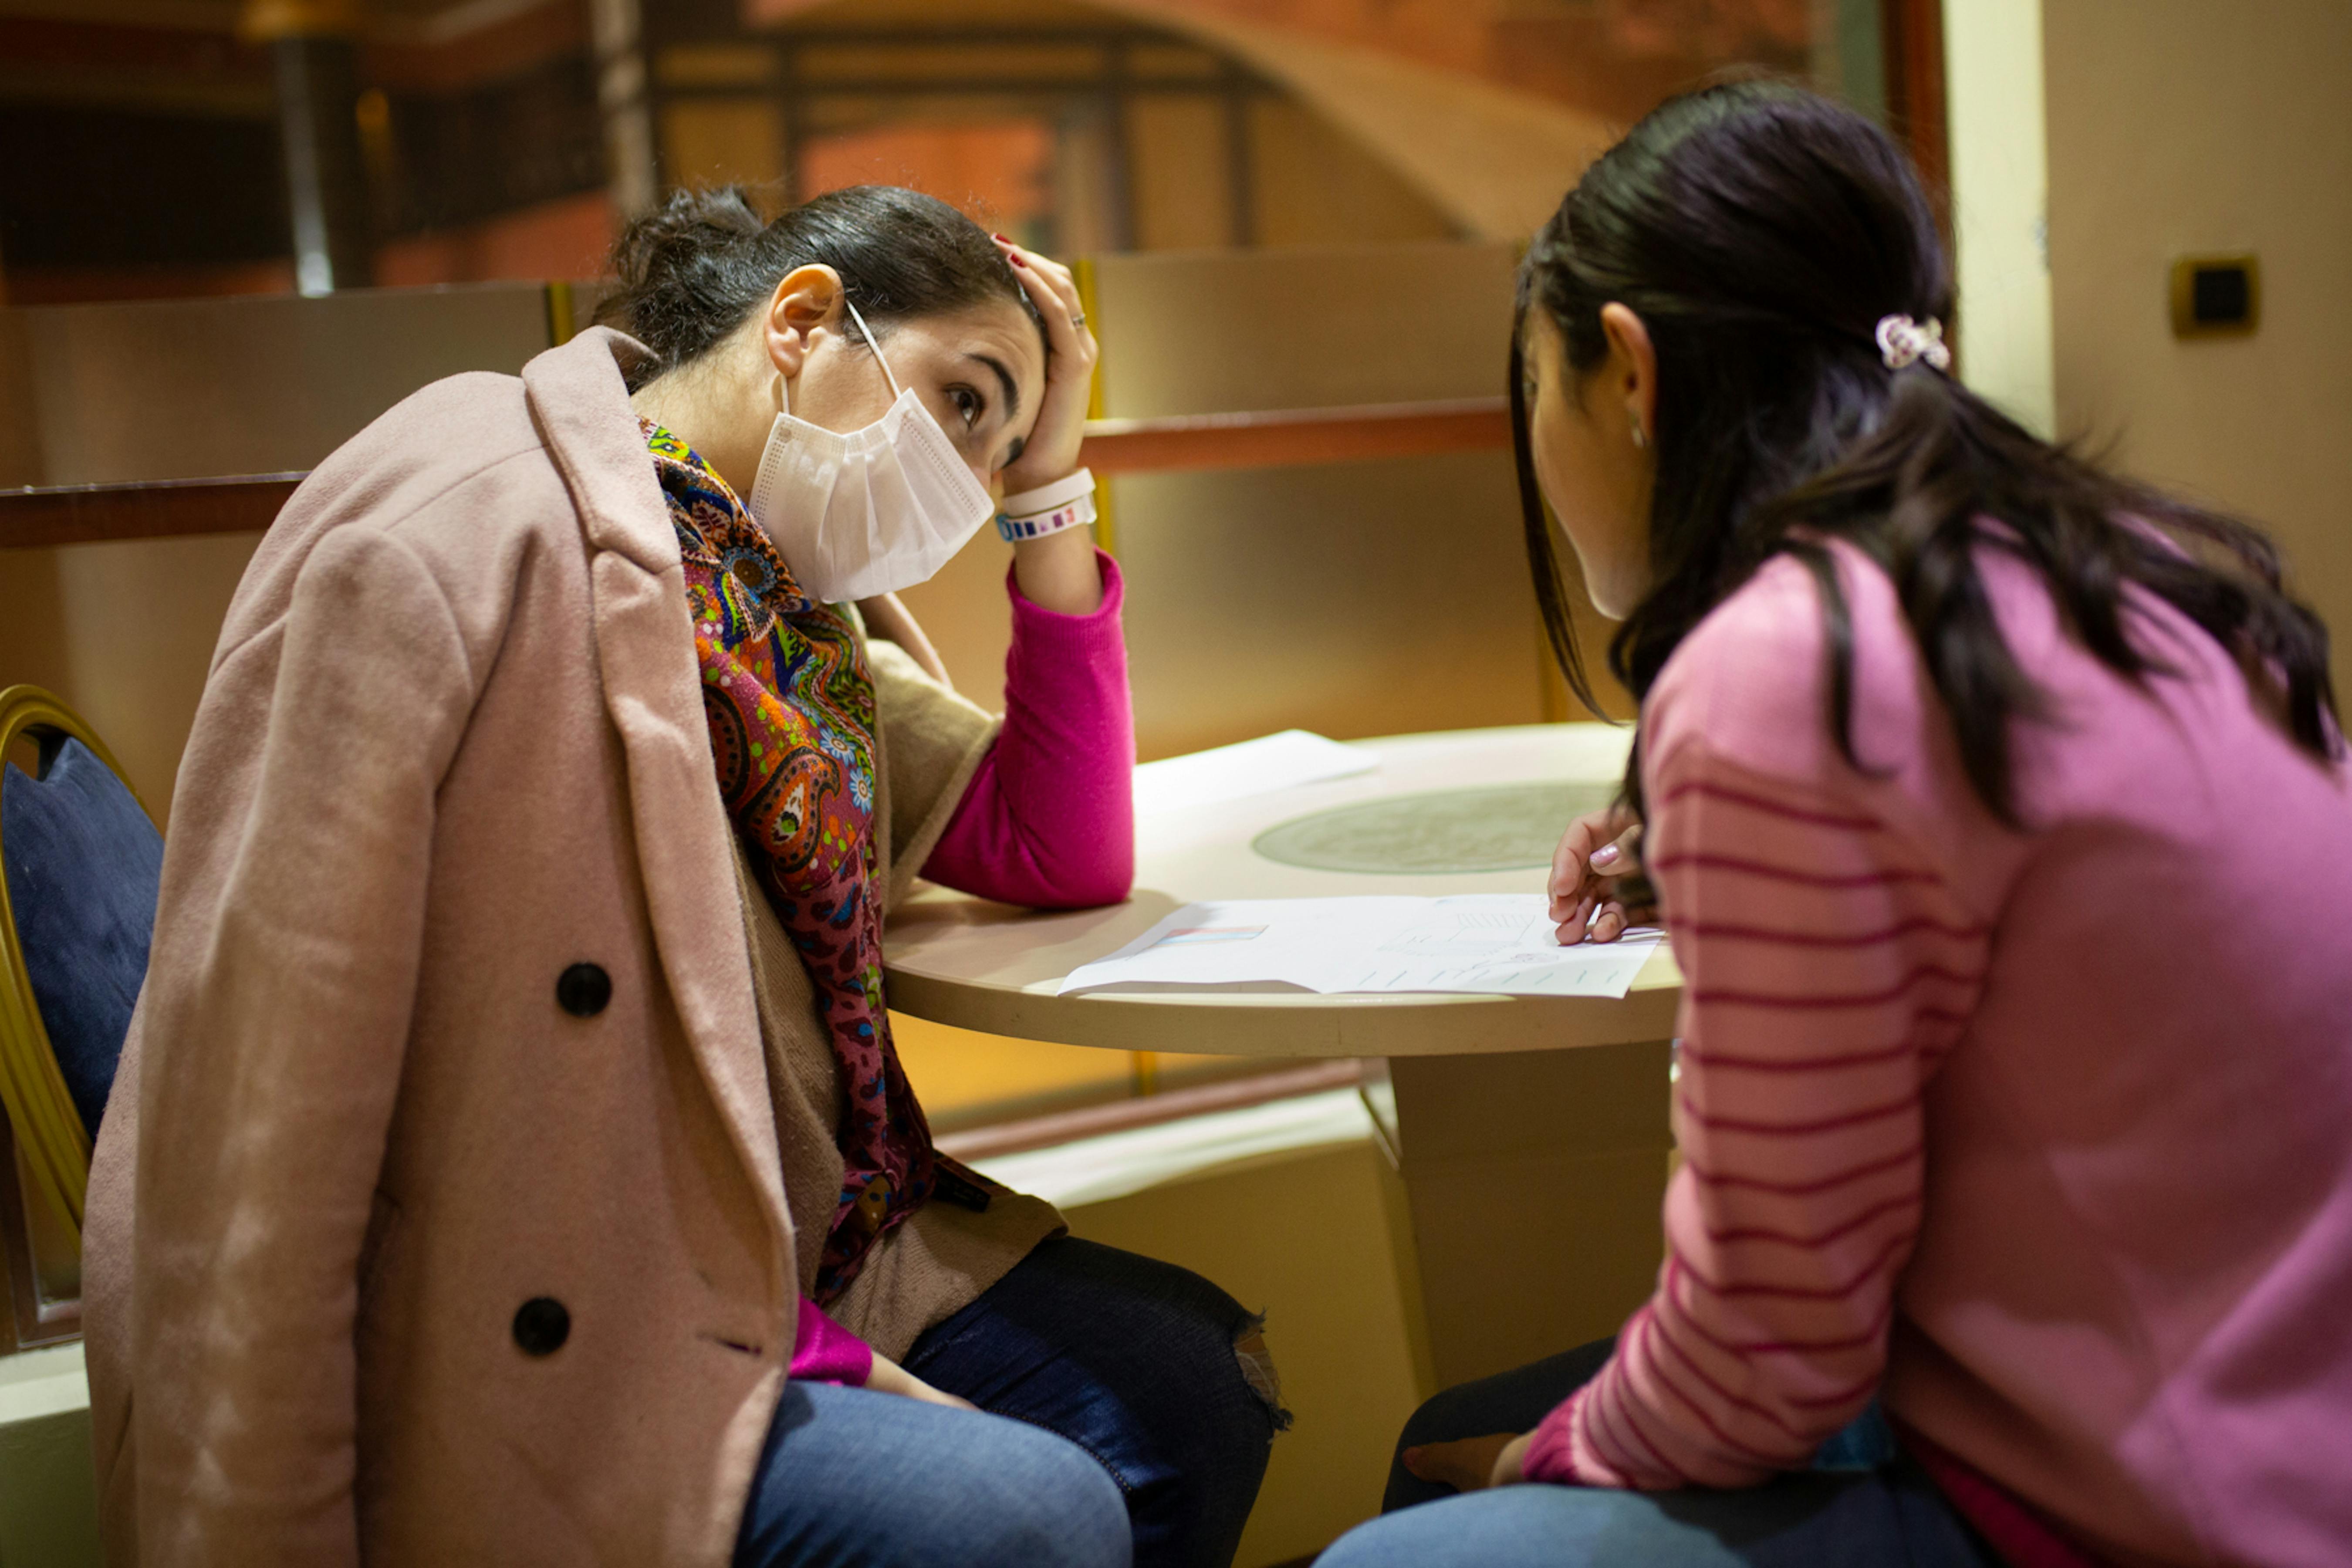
(941, 1256)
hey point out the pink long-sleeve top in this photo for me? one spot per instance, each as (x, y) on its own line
(2045, 1135)
(1048, 820)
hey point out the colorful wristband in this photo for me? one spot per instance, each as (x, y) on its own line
(1075, 514)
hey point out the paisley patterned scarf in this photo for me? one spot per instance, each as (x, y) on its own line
(790, 708)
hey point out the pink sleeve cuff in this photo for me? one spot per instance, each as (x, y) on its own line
(1563, 1455)
(824, 1351)
(1551, 1451)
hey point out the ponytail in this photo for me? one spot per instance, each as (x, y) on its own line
(1762, 233)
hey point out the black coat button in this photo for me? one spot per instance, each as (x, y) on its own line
(582, 990)
(542, 1325)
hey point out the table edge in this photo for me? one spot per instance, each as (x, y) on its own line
(1387, 1025)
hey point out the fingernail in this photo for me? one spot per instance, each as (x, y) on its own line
(1000, 239)
(1605, 855)
(1014, 256)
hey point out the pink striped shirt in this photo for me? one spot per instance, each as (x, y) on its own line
(1048, 820)
(2045, 1136)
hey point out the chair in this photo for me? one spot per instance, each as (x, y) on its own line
(82, 862)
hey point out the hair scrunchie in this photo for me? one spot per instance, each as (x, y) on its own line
(1902, 340)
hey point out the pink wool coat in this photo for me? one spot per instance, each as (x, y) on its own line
(437, 1216)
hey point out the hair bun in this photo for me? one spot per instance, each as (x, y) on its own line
(672, 260)
(688, 223)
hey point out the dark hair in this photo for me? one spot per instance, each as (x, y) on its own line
(1760, 232)
(693, 272)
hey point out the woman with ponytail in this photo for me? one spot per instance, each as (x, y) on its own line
(1999, 813)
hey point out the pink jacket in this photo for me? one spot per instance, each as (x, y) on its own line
(2046, 1135)
(409, 1240)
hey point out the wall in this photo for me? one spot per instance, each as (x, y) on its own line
(1378, 597)
(565, 238)
(1305, 1240)
(124, 631)
(1992, 65)
(1310, 182)
(965, 1078)
(1317, 185)
(1180, 152)
(1357, 599)
(48, 1498)
(2180, 127)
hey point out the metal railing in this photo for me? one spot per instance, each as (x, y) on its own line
(241, 503)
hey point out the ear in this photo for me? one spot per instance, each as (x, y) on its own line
(1630, 376)
(807, 299)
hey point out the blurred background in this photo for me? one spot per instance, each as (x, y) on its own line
(206, 147)
(246, 226)
(233, 231)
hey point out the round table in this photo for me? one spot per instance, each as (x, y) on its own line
(979, 966)
(1529, 1134)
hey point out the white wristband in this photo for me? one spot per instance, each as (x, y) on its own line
(1075, 514)
(1050, 498)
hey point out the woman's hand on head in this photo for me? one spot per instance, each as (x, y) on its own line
(1597, 886)
(1052, 450)
(889, 1377)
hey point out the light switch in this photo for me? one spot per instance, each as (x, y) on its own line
(2216, 294)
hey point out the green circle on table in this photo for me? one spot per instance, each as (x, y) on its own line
(1505, 827)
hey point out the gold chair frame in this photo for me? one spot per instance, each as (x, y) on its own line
(55, 1148)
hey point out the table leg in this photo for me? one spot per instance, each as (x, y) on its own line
(1528, 1198)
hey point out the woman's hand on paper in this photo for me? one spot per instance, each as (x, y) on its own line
(1597, 886)
(1472, 1464)
(889, 1377)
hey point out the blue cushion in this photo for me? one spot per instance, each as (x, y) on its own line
(83, 865)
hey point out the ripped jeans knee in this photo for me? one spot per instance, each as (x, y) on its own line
(1258, 1370)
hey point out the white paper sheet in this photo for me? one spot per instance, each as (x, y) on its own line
(1246, 768)
(1500, 943)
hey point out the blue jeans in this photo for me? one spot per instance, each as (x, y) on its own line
(854, 1480)
(1125, 1365)
(1865, 1503)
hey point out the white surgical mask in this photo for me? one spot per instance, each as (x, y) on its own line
(869, 511)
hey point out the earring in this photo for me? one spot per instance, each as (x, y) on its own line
(1640, 437)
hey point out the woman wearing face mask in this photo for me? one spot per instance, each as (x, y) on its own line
(509, 1162)
(1998, 813)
